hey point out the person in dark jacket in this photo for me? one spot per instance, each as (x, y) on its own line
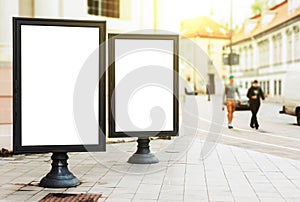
(255, 93)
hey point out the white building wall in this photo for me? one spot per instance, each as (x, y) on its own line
(44, 8)
(272, 71)
(168, 15)
(135, 15)
(8, 9)
(73, 9)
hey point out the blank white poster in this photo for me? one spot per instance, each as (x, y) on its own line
(131, 56)
(52, 57)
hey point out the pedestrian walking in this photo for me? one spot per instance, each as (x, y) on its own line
(255, 93)
(229, 99)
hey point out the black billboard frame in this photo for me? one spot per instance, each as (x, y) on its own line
(18, 148)
(111, 84)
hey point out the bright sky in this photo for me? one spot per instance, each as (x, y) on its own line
(241, 9)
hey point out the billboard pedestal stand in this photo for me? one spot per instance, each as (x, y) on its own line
(143, 154)
(59, 176)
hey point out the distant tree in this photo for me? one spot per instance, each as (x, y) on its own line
(261, 5)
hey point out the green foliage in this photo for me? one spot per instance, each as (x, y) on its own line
(260, 6)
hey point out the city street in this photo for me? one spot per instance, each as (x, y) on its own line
(241, 164)
(89, 91)
(278, 134)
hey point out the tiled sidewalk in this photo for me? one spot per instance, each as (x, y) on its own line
(226, 174)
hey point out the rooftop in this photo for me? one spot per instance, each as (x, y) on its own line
(266, 21)
(203, 27)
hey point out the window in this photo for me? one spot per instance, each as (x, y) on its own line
(275, 87)
(251, 57)
(246, 58)
(212, 47)
(268, 88)
(279, 87)
(289, 46)
(275, 58)
(297, 43)
(266, 52)
(277, 49)
(241, 59)
(279, 38)
(263, 48)
(107, 8)
(260, 49)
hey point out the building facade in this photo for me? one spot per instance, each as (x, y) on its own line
(269, 47)
(121, 16)
(202, 45)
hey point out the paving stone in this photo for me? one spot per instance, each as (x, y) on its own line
(227, 174)
(146, 196)
(170, 197)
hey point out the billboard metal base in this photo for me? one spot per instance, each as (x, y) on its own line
(59, 176)
(143, 154)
